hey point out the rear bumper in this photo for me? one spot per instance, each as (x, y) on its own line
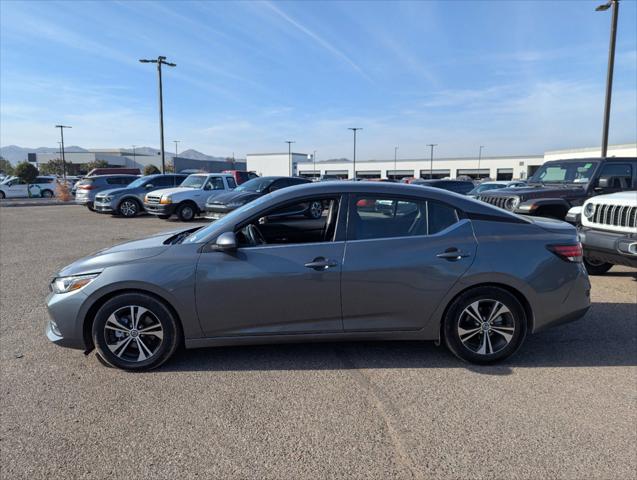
(609, 247)
(215, 212)
(158, 209)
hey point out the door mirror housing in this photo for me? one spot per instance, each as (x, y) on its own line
(226, 242)
(148, 186)
(604, 182)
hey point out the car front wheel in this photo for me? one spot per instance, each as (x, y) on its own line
(186, 212)
(485, 325)
(594, 267)
(128, 208)
(134, 331)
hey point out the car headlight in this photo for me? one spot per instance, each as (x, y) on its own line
(166, 200)
(72, 283)
(512, 203)
(589, 210)
(106, 199)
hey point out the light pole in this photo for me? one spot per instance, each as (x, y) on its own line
(431, 165)
(354, 129)
(134, 157)
(314, 163)
(395, 160)
(161, 60)
(479, 159)
(62, 127)
(290, 142)
(611, 63)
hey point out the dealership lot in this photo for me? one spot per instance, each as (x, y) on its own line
(564, 406)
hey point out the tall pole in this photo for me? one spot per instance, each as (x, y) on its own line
(431, 164)
(134, 158)
(355, 129)
(161, 60)
(479, 159)
(176, 145)
(395, 159)
(314, 164)
(290, 142)
(611, 64)
(62, 127)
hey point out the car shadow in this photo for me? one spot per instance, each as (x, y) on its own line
(605, 337)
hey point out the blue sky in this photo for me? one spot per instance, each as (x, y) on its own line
(516, 76)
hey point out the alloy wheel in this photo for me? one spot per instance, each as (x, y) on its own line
(133, 333)
(486, 326)
(128, 208)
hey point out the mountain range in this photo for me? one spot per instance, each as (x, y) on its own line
(16, 154)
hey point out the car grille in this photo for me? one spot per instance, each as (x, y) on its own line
(153, 199)
(615, 215)
(497, 200)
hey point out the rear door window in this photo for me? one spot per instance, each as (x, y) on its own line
(231, 183)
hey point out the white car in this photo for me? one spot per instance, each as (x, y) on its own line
(609, 231)
(13, 187)
(188, 199)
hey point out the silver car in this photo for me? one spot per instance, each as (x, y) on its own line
(434, 265)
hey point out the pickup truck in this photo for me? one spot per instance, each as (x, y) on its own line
(559, 185)
(188, 199)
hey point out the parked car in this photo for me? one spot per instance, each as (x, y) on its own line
(352, 275)
(220, 205)
(609, 231)
(241, 176)
(129, 200)
(559, 185)
(188, 199)
(113, 171)
(42, 186)
(459, 186)
(494, 185)
(87, 188)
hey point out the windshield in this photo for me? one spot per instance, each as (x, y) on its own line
(193, 181)
(138, 183)
(226, 223)
(256, 185)
(565, 172)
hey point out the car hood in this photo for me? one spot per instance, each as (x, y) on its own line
(618, 198)
(116, 191)
(534, 191)
(231, 197)
(124, 252)
(172, 191)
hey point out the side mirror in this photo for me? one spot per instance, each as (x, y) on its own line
(226, 242)
(148, 186)
(604, 182)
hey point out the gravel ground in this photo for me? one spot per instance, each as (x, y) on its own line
(564, 407)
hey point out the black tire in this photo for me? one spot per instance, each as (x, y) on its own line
(186, 212)
(512, 323)
(593, 267)
(314, 210)
(47, 194)
(119, 349)
(163, 217)
(129, 207)
(89, 205)
(1, 195)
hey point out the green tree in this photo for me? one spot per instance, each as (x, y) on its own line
(96, 164)
(151, 169)
(52, 167)
(26, 172)
(5, 166)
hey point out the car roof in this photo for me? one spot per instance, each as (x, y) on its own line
(595, 159)
(203, 174)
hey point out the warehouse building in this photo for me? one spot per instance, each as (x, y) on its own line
(497, 168)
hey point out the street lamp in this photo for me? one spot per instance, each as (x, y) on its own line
(395, 159)
(314, 164)
(290, 142)
(431, 165)
(354, 129)
(479, 158)
(62, 127)
(161, 60)
(134, 157)
(611, 63)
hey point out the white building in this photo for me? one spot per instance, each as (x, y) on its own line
(500, 168)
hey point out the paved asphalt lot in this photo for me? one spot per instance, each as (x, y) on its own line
(565, 406)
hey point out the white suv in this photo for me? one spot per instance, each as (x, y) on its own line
(609, 231)
(189, 198)
(42, 186)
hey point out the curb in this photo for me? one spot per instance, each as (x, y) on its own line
(35, 203)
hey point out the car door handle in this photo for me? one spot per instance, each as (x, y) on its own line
(452, 254)
(321, 263)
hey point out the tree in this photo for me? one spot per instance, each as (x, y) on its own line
(170, 167)
(52, 167)
(26, 172)
(151, 169)
(5, 166)
(96, 164)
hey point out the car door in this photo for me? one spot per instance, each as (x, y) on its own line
(17, 189)
(402, 256)
(272, 289)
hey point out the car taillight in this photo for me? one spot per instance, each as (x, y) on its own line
(86, 187)
(568, 253)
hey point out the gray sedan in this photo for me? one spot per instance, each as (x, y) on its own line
(428, 265)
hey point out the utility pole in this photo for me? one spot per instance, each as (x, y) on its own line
(395, 160)
(314, 164)
(431, 165)
(62, 127)
(161, 60)
(611, 64)
(290, 142)
(479, 159)
(134, 158)
(354, 129)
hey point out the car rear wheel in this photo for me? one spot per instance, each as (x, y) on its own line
(595, 267)
(1, 194)
(485, 325)
(134, 331)
(315, 210)
(186, 212)
(128, 208)
(47, 194)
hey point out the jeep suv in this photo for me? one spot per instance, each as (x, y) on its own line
(559, 185)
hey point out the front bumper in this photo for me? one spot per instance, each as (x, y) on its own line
(65, 311)
(609, 247)
(159, 209)
(103, 207)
